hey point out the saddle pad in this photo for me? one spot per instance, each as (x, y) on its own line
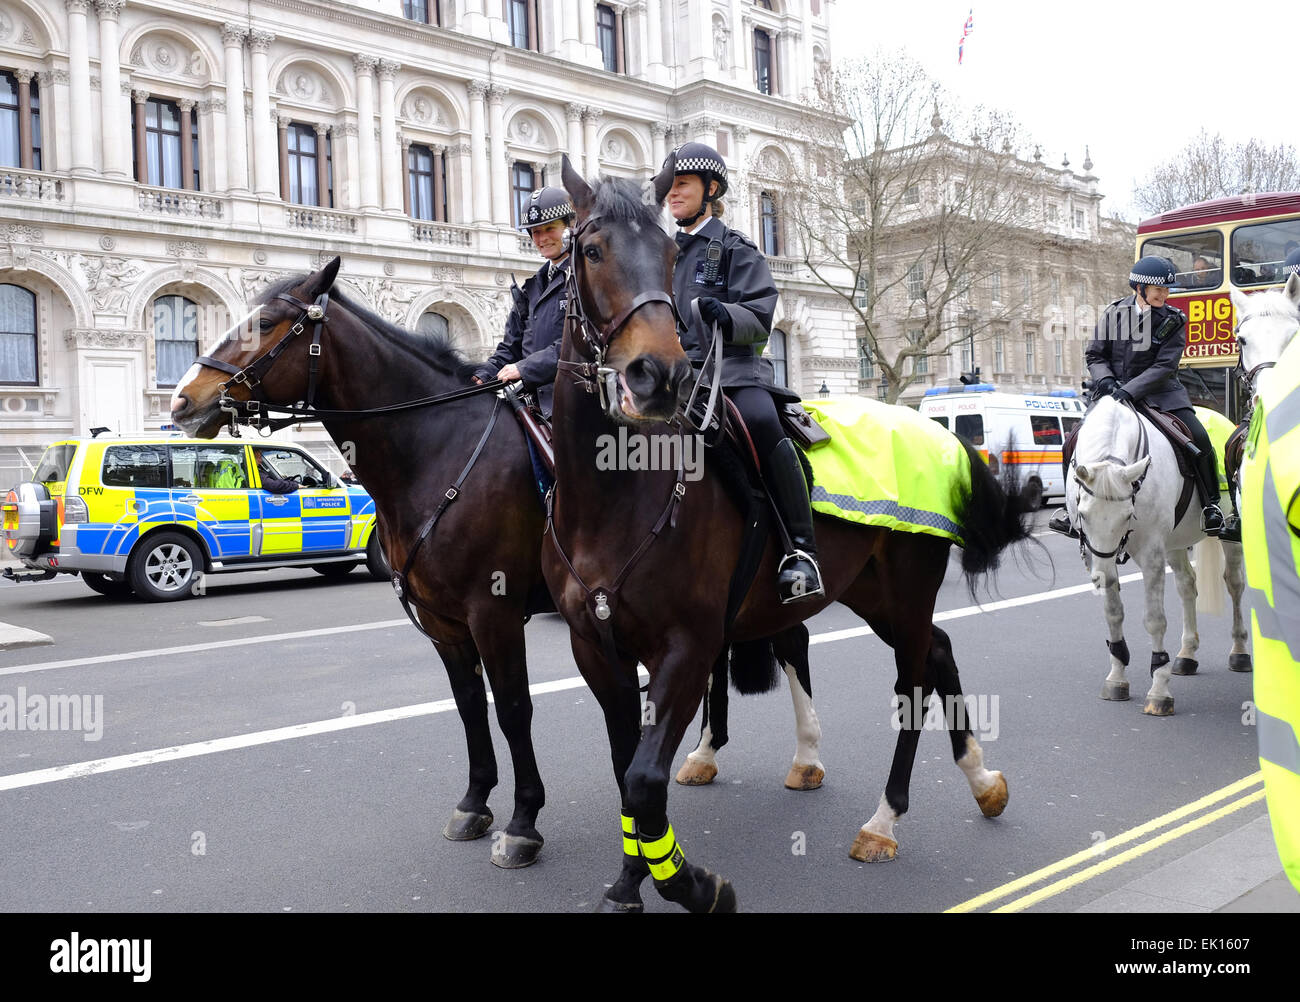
(1218, 428)
(888, 466)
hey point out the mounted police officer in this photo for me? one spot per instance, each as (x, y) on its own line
(1134, 355)
(530, 350)
(722, 270)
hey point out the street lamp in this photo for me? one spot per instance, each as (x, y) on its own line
(825, 391)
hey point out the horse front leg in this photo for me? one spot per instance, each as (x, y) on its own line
(504, 658)
(472, 817)
(675, 690)
(807, 771)
(1159, 701)
(701, 765)
(1234, 576)
(1105, 578)
(988, 787)
(1185, 579)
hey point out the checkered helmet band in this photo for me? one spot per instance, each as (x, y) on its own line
(546, 205)
(1152, 270)
(1292, 264)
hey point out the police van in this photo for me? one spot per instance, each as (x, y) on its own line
(1012, 429)
(151, 515)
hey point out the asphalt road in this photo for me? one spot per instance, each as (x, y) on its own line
(336, 758)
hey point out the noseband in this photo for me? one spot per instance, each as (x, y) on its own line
(1137, 485)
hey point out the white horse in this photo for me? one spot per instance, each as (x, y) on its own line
(1121, 495)
(1266, 322)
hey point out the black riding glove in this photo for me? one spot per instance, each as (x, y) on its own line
(713, 312)
(1106, 385)
(1121, 394)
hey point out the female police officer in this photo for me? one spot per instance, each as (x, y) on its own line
(530, 350)
(723, 270)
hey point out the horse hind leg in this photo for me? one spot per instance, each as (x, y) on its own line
(807, 771)
(701, 765)
(1234, 576)
(1185, 579)
(989, 788)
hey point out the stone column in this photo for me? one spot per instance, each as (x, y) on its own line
(576, 150)
(480, 189)
(83, 154)
(139, 98)
(388, 148)
(187, 144)
(798, 71)
(654, 36)
(620, 56)
(439, 188)
(461, 181)
(406, 176)
(738, 214)
(497, 156)
(658, 139)
(25, 158)
(110, 87)
(738, 44)
(282, 123)
(571, 44)
(322, 169)
(265, 167)
(591, 143)
(232, 37)
(365, 67)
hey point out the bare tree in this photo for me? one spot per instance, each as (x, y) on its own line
(1211, 167)
(910, 225)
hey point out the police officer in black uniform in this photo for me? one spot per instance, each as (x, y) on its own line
(530, 350)
(1134, 355)
(722, 269)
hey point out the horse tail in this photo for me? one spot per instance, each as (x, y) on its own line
(1209, 576)
(753, 666)
(994, 515)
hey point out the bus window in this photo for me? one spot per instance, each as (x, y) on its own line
(1070, 423)
(941, 418)
(1258, 251)
(971, 427)
(1047, 430)
(1197, 258)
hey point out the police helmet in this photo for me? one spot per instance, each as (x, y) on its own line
(545, 205)
(704, 160)
(1292, 264)
(1153, 270)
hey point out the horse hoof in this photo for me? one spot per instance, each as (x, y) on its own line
(993, 801)
(696, 773)
(804, 777)
(465, 826)
(869, 847)
(1163, 707)
(608, 906)
(1117, 691)
(1184, 666)
(1240, 662)
(514, 852)
(724, 897)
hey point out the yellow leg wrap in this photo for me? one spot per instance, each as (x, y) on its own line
(663, 855)
(631, 847)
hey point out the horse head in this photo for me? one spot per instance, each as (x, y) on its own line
(1266, 322)
(1107, 482)
(622, 320)
(242, 364)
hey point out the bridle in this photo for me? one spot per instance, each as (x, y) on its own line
(1143, 451)
(1247, 377)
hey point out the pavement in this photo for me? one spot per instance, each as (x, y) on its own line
(13, 637)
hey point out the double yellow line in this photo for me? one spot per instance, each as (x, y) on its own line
(1074, 879)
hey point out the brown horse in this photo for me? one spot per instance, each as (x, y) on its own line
(639, 562)
(470, 596)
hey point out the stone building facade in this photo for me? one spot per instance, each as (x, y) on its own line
(162, 162)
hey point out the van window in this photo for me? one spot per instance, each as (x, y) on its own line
(941, 418)
(1070, 423)
(135, 466)
(971, 427)
(209, 467)
(287, 463)
(55, 464)
(1047, 430)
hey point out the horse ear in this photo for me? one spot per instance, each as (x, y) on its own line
(579, 190)
(322, 281)
(1240, 303)
(1084, 474)
(1292, 289)
(1132, 472)
(663, 181)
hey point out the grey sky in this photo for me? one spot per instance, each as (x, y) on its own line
(1119, 77)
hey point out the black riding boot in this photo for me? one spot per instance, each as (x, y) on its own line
(1207, 482)
(798, 576)
(1060, 522)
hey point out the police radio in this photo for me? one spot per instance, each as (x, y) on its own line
(713, 262)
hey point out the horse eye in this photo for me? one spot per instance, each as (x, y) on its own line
(266, 323)
(591, 254)
(1241, 342)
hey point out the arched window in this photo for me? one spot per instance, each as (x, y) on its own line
(175, 336)
(770, 225)
(434, 323)
(17, 335)
(776, 352)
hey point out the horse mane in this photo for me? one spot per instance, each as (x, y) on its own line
(621, 199)
(1271, 303)
(435, 350)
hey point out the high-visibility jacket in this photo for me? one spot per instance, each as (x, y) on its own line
(1270, 522)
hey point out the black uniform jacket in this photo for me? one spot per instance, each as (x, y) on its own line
(533, 332)
(744, 285)
(1129, 352)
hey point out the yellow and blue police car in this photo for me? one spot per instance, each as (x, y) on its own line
(151, 515)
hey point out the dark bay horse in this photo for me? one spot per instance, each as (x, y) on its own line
(471, 579)
(639, 562)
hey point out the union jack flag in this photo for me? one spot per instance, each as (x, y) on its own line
(966, 29)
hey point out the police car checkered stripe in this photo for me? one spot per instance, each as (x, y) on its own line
(892, 509)
(690, 164)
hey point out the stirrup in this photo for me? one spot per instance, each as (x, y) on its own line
(1231, 531)
(1060, 522)
(1209, 514)
(805, 592)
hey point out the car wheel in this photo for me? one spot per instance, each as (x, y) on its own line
(377, 560)
(333, 570)
(106, 585)
(164, 567)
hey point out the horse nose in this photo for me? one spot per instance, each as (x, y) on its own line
(645, 375)
(180, 404)
(682, 379)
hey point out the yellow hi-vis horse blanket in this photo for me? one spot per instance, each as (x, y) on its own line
(1218, 428)
(888, 466)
